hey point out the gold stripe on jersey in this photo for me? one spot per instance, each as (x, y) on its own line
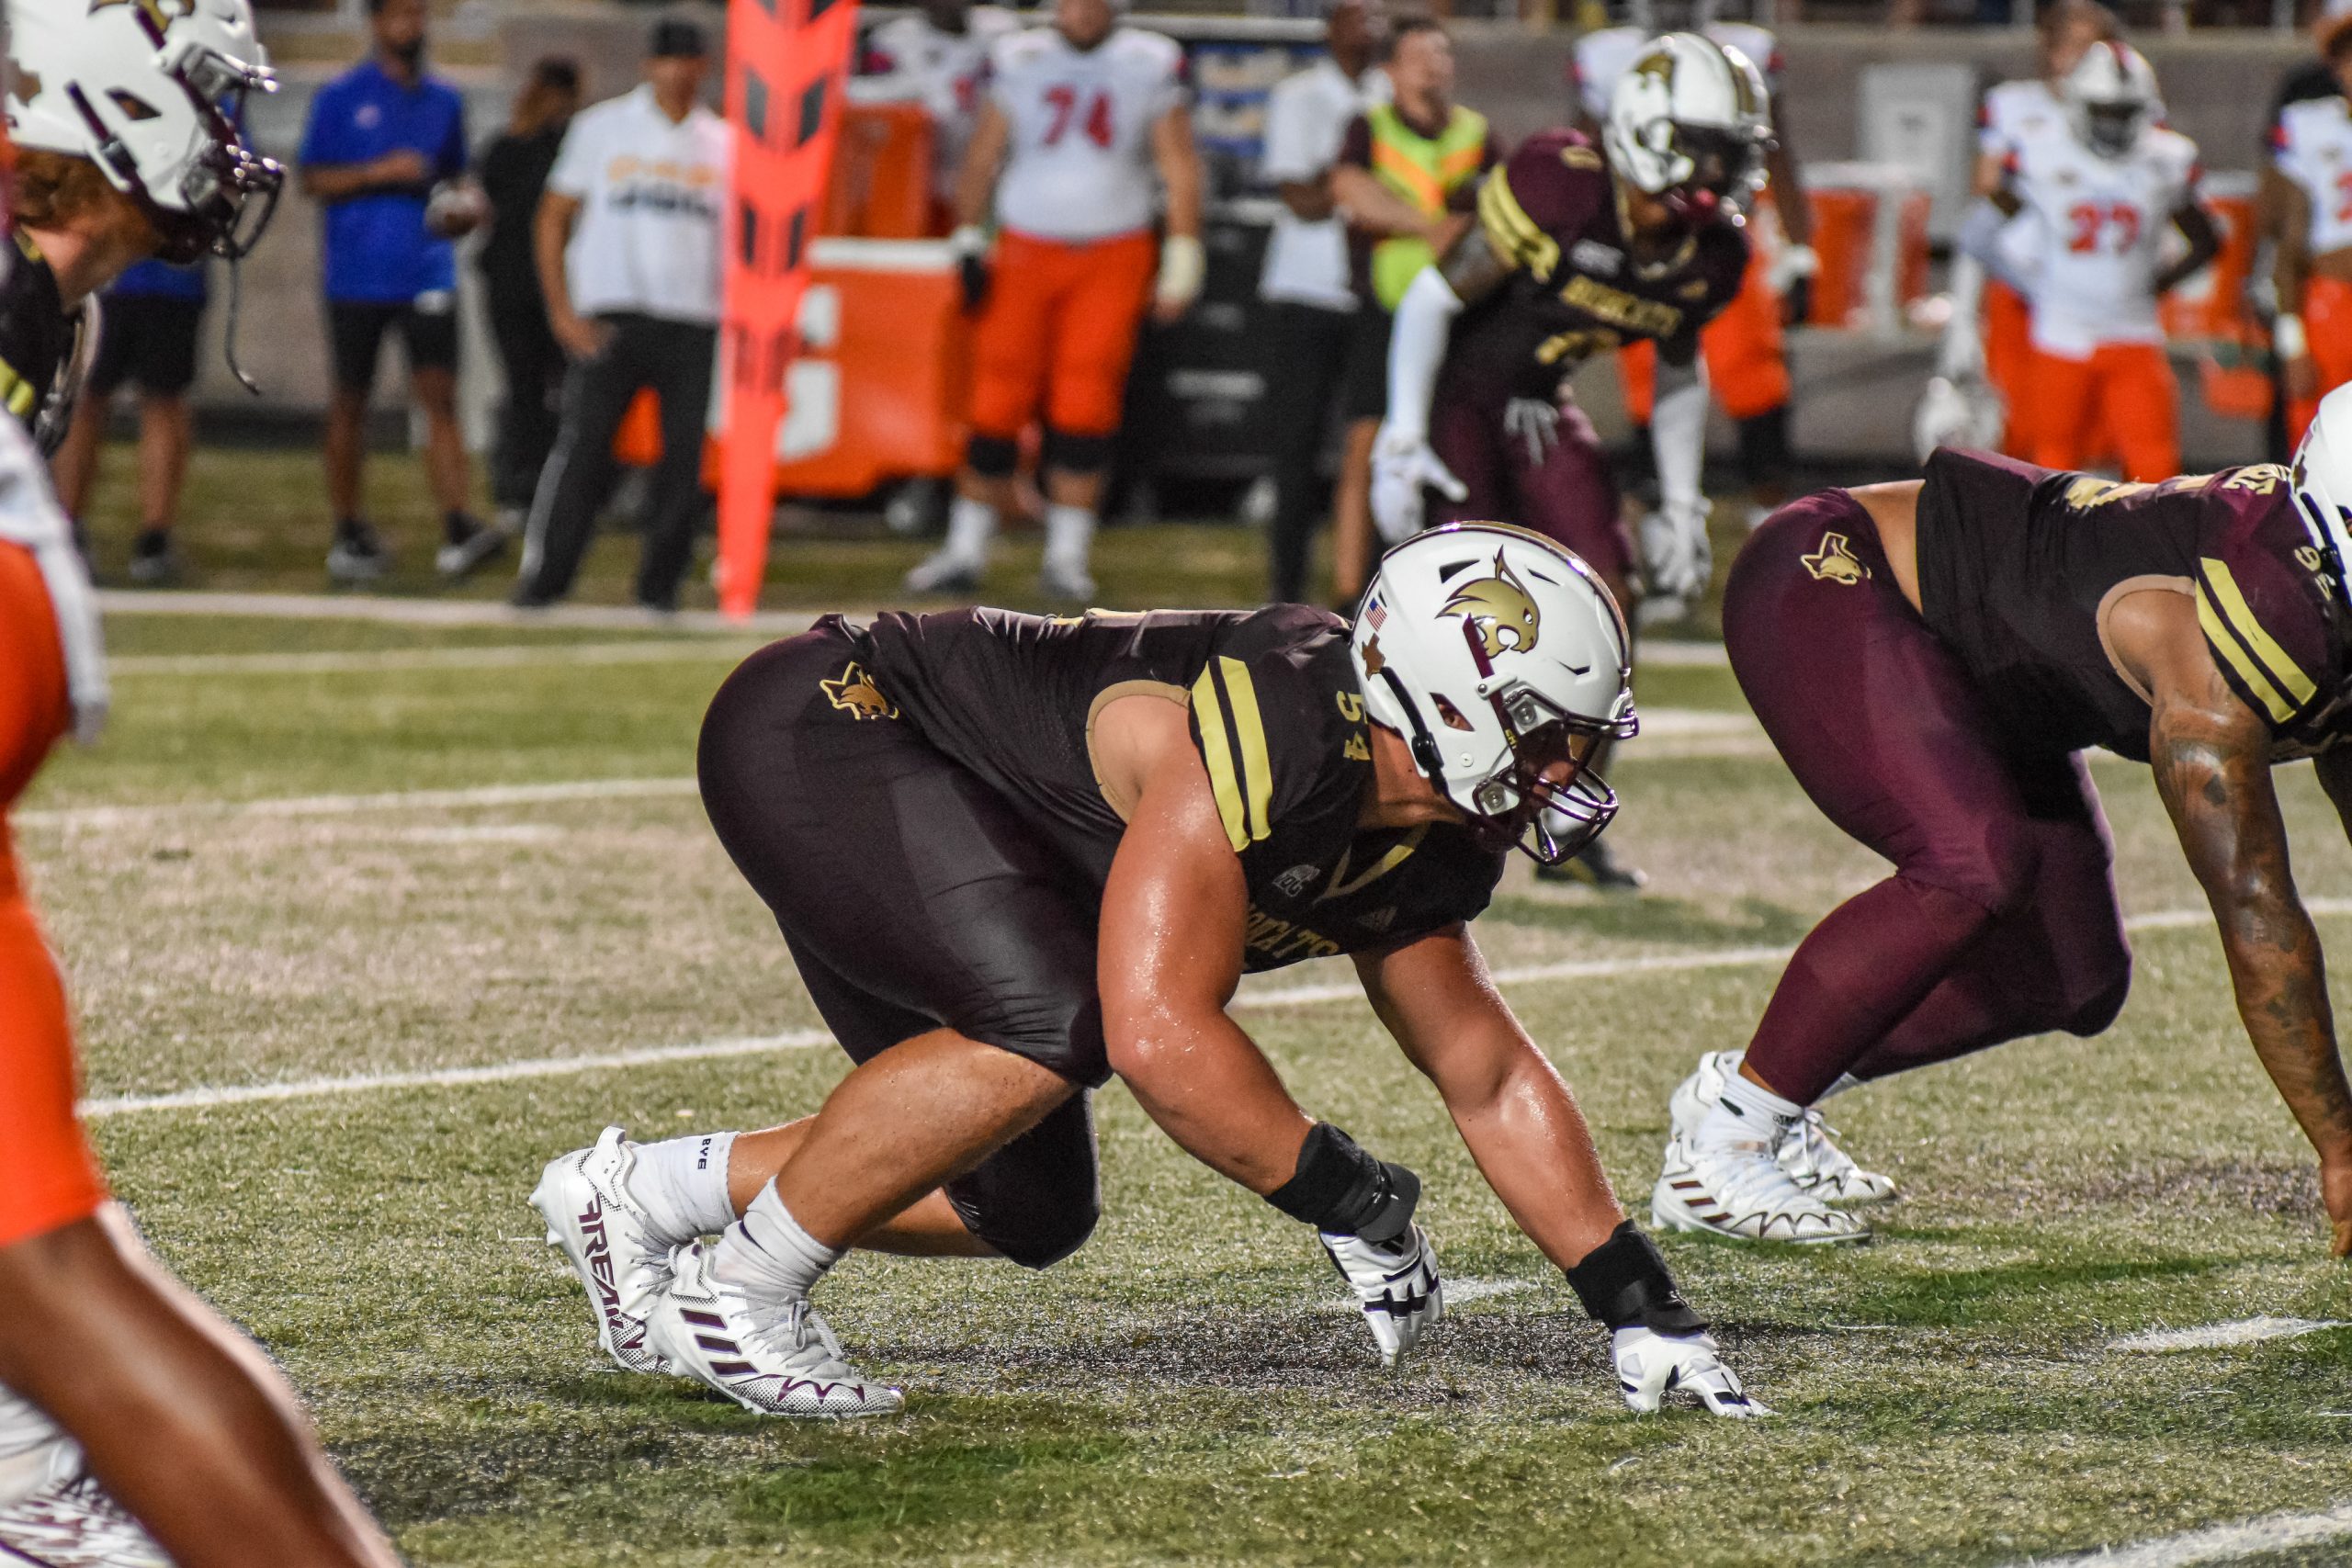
(1339, 887)
(15, 393)
(2282, 676)
(1257, 771)
(1216, 753)
(1516, 237)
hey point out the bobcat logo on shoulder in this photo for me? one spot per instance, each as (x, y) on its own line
(854, 694)
(1500, 609)
(1836, 562)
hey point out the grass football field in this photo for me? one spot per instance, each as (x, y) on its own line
(417, 894)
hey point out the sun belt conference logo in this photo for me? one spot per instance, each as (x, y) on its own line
(1501, 610)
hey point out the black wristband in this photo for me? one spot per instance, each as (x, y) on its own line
(1624, 1282)
(1340, 1188)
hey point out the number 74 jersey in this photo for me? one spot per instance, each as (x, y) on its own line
(2097, 228)
(1079, 164)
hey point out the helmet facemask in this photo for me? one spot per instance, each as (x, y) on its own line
(2111, 130)
(1547, 800)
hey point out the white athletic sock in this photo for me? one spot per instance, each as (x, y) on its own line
(1070, 535)
(769, 1255)
(971, 525)
(681, 1183)
(1747, 1113)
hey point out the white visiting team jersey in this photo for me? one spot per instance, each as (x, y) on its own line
(2099, 227)
(1604, 55)
(652, 193)
(2312, 146)
(2015, 114)
(1079, 164)
(908, 60)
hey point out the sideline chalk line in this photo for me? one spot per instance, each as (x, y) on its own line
(2222, 1336)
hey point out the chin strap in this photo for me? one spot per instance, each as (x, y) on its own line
(1425, 752)
(236, 314)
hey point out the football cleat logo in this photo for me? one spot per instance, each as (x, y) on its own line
(1500, 609)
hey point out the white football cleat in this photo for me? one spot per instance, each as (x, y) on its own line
(1818, 1165)
(622, 1265)
(771, 1358)
(944, 571)
(1651, 1365)
(1738, 1191)
(1814, 1163)
(1395, 1285)
(72, 1523)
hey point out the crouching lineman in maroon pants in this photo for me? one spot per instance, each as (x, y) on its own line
(1577, 251)
(1932, 658)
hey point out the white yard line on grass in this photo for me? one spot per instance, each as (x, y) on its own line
(1248, 1000)
(451, 613)
(2221, 1543)
(501, 655)
(2222, 1336)
(1685, 655)
(351, 804)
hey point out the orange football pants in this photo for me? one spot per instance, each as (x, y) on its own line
(1059, 332)
(2123, 398)
(48, 1176)
(2327, 321)
(2010, 360)
(1748, 367)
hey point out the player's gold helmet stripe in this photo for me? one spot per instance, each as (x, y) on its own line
(2229, 622)
(1239, 772)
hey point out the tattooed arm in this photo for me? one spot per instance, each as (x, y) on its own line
(2211, 755)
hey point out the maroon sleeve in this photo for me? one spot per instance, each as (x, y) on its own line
(1355, 147)
(1537, 203)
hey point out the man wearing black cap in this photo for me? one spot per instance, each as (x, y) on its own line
(629, 252)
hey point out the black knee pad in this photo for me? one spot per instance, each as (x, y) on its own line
(1077, 454)
(1764, 455)
(991, 457)
(1033, 1237)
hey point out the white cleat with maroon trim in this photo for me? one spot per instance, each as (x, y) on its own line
(71, 1522)
(1807, 1150)
(1738, 1191)
(595, 1222)
(771, 1358)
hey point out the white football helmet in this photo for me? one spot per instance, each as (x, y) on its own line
(149, 91)
(1689, 123)
(1499, 656)
(2322, 477)
(2111, 97)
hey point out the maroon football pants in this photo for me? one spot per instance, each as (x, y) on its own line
(2001, 918)
(1539, 466)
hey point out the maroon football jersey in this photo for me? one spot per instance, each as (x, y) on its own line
(1577, 288)
(2017, 565)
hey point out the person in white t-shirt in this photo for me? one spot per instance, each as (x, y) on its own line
(1086, 128)
(2096, 204)
(629, 252)
(1310, 302)
(936, 56)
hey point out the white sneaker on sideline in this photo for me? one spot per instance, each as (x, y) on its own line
(1805, 1150)
(1739, 1192)
(944, 571)
(584, 1198)
(1066, 581)
(771, 1358)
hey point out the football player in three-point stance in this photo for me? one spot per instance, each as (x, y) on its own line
(1577, 251)
(119, 1389)
(1931, 659)
(1013, 856)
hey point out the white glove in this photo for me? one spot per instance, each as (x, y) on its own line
(1652, 1365)
(1401, 465)
(1793, 262)
(1396, 1284)
(1962, 413)
(1677, 561)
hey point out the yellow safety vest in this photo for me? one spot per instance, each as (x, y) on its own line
(1424, 171)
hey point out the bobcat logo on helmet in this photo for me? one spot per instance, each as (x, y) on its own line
(1501, 609)
(163, 13)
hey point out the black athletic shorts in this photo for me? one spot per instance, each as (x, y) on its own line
(913, 898)
(1363, 383)
(147, 341)
(428, 334)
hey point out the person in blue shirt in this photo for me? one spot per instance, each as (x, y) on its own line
(148, 328)
(385, 155)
